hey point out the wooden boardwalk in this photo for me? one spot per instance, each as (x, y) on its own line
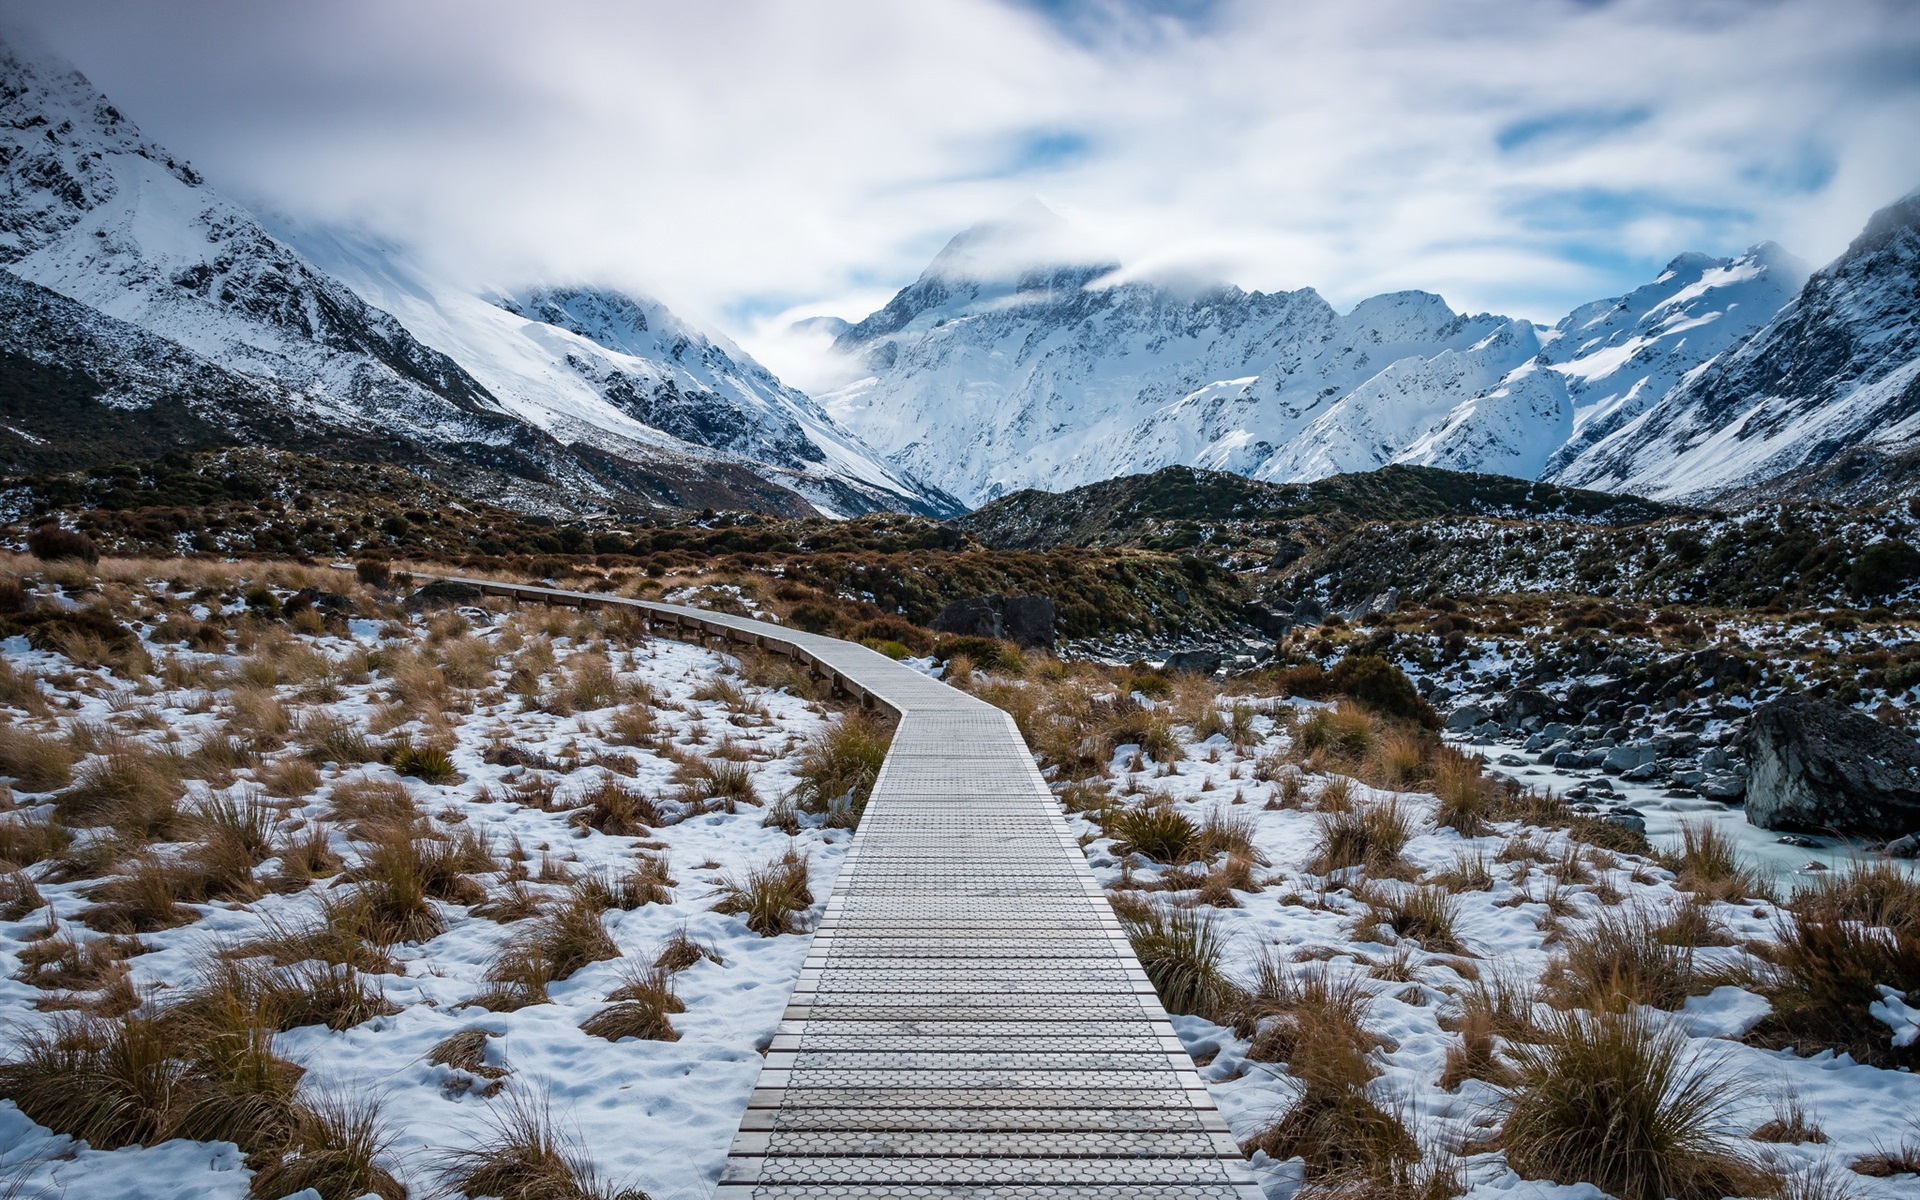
(970, 1021)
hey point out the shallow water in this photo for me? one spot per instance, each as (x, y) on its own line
(1790, 865)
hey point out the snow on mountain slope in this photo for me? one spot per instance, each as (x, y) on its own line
(622, 374)
(102, 216)
(1620, 356)
(1838, 368)
(990, 373)
(1013, 363)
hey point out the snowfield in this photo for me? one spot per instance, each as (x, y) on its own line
(1542, 887)
(652, 1115)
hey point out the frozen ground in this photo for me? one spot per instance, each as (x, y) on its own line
(1505, 929)
(654, 1115)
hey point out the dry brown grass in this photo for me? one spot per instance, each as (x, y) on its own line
(1370, 836)
(335, 1147)
(1619, 959)
(35, 763)
(130, 786)
(638, 1008)
(772, 898)
(1625, 1103)
(525, 1154)
(24, 842)
(613, 808)
(1312, 1019)
(562, 939)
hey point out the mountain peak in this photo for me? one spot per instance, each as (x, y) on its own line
(1028, 238)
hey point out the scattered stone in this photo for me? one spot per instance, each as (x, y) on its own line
(1467, 717)
(1799, 839)
(1643, 773)
(1022, 620)
(1818, 765)
(1626, 820)
(1905, 847)
(1199, 662)
(1526, 704)
(1627, 756)
(1309, 612)
(442, 593)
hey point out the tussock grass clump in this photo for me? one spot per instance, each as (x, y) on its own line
(645, 882)
(25, 842)
(1871, 892)
(1824, 977)
(64, 962)
(616, 809)
(331, 739)
(1180, 950)
(639, 1008)
(1287, 1004)
(705, 780)
(1620, 959)
(1468, 800)
(130, 786)
(562, 939)
(35, 763)
(772, 898)
(346, 930)
(366, 805)
(1708, 863)
(289, 778)
(428, 764)
(1424, 914)
(837, 766)
(335, 1147)
(1227, 831)
(1154, 828)
(108, 1083)
(526, 1155)
(681, 951)
(1347, 732)
(1622, 1102)
(152, 895)
(19, 898)
(1312, 1021)
(1368, 835)
(467, 1051)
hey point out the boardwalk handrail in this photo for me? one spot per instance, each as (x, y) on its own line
(970, 1019)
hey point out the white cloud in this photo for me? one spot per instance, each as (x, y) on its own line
(750, 157)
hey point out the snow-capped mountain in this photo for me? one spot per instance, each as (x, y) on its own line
(1009, 364)
(106, 218)
(1836, 370)
(1620, 356)
(622, 374)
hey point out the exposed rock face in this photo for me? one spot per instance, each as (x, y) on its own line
(1022, 620)
(1818, 766)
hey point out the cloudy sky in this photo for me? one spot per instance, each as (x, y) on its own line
(755, 160)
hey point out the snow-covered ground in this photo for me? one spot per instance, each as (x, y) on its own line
(1506, 930)
(654, 1115)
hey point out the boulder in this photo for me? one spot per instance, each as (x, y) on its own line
(1309, 612)
(1022, 620)
(1466, 717)
(443, 592)
(1628, 756)
(1527, 704)
(1818, 766)
(1199, 662)
(1726, 787)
